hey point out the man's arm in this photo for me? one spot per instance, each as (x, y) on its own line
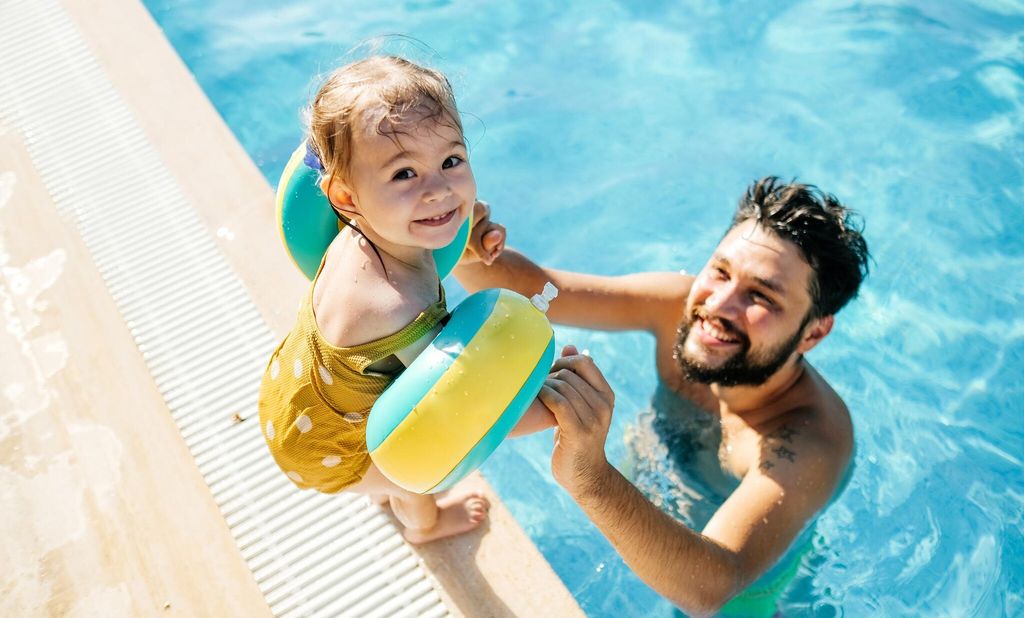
(643, 301)
(697, 572)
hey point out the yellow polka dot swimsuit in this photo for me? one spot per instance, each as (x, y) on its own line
(315, 397)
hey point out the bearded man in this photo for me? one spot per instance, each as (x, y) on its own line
(732, 342)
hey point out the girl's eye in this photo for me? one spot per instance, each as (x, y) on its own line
(452, 161)
(720, 274)
(404, 174)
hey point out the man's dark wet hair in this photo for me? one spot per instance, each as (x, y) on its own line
(827, 233)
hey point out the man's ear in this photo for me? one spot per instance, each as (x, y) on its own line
(340, 195)
(815, 332)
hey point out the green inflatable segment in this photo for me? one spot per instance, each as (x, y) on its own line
(308, 224)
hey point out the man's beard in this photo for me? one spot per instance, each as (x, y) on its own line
(742, 368)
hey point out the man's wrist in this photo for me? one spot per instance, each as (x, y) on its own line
(593, 486)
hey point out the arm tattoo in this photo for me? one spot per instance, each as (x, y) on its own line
(774, 449)
(784, 433)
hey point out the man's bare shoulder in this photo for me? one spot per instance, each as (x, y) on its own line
(810, 445)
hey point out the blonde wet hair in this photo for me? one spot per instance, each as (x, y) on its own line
(380, 93)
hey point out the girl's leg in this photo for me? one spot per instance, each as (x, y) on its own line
(426, 519)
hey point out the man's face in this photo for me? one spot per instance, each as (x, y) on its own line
(747, 309)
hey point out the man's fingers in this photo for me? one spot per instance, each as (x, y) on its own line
(591, 397)
(574, 397)
(584, 367)
(481, 222)
(569, 350)
(492, 242)
(481, 210)
(494, 237)
(565, 414)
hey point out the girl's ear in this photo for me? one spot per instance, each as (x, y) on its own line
(340, 195)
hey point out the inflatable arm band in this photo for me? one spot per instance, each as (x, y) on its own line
(308, 223)
(463, 394)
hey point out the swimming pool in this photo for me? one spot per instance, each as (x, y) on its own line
(620, 142)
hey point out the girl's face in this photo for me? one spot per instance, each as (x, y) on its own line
(410, 188)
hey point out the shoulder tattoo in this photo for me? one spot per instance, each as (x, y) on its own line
(775, 447)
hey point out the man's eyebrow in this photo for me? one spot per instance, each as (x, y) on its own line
(772, 285)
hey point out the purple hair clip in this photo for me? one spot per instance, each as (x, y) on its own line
(311, 159)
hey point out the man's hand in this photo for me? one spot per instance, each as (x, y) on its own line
(486, 239)
(581, 400)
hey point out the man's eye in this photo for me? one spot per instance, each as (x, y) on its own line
(404, 174)
(762, 299)
(452, 161)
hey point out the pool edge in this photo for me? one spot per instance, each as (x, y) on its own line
(486, 572)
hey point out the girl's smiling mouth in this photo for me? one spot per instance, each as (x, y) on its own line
(438, 220)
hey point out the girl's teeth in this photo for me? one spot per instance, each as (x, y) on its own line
(437, 218)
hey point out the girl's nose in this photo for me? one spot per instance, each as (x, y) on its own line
(437, 188)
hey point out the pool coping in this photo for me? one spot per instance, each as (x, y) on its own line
(494, 572)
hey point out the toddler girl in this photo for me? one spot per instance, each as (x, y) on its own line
(396, 171)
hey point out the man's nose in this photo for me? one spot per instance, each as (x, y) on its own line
(724, 301)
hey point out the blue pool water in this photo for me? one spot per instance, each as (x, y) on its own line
(615, 138)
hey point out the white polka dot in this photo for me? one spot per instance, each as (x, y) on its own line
(295, 476)
(270, 429)
(326, 375)
(352, 417)
(275, 369)
(331, 460)
(297, 367)
(304, 423)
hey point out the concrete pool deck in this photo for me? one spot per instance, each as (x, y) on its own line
(104, 509)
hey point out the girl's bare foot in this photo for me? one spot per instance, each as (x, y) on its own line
(458, 513)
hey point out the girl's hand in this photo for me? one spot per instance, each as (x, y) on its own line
(486, 240)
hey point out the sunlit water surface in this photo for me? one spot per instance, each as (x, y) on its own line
(613, 138)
